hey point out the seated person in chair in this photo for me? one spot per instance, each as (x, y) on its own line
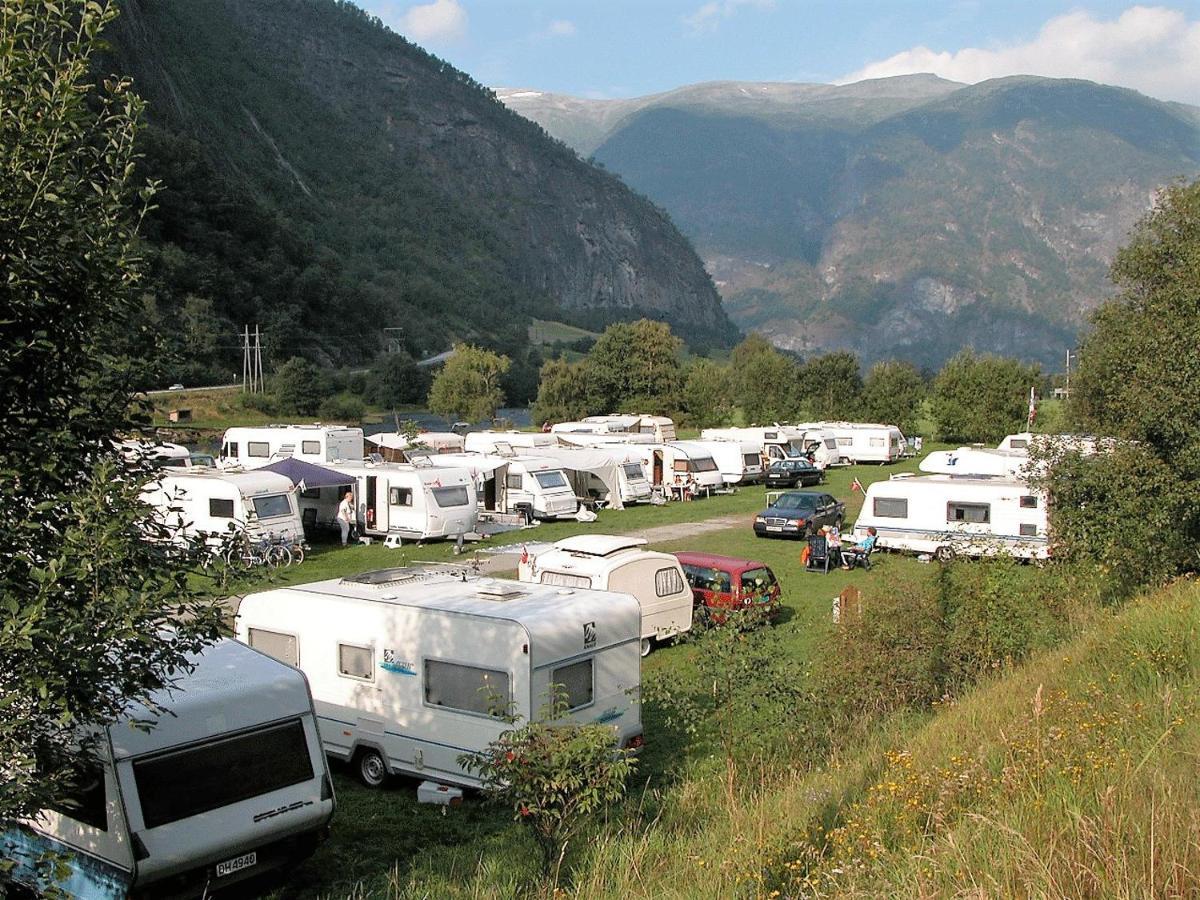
(856, 554)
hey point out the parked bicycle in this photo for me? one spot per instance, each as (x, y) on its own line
(268, 551)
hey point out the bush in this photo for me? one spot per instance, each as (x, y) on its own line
(263, 403)
(342, 408)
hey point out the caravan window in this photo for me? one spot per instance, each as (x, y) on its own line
(575, 684)
(230, 450)
(566, 579)
(633, 471)
(258, 448)
(400, 496)
(220, 509)
(1028, 531)
(704, 464)
(86, 801)
(891, 507)
(271, 506)
(667, 582)
(975, 513)
(182, 783)
(876, 442)
(512, 482)
(845, 442)
(310, 448)
(282, 647)
(467, 688)
(750, 460)
(356, 662)
(1029, 502)
(680, 465)
(551, 479)
(1018, 444)
(450, 496)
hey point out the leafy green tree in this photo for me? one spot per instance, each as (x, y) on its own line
(892, 394)
(982, 398)
(469, 387)
(396, 380)
(635, 360)
(832, 386)
(762, 381)
(91, 614)
(562, 392)
(706, 391)
(300, 387)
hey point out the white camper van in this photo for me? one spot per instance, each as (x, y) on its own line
(230, 782)
(535, 487)
(606, 562)
(740, 462)
(676, 462)
(208, 504)
(320, 444)
(977, 461)
(860, 442)
(409, 667)
(409, 502)
(951, 514)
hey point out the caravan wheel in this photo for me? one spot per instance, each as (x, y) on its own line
(944, 554)
(372, 770)
(645, 646)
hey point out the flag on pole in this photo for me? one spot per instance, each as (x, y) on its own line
(524, 555)
(856, 485)
(1032, 409)
(300, 487)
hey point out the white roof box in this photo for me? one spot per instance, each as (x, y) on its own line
(599, 544)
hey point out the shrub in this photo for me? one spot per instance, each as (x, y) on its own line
(342, 408)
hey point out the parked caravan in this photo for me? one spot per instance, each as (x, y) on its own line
(660, 428)
(395, 447)
(412, 667)
(1085, 444)
(606, 562)
(977, 461)
(952, 514)
(159, 455)
(230, 782)
(505, 442)
(320, 444)
(535, 487)
(602, 438)
(403, 501)
(859, 442)
(610, 474)
(673, 464)
(780, 442)
(740, 462)
(208, 504)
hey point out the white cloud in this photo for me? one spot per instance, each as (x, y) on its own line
(708, 17)
(1152, 49)
(561, 28)
(441, 20)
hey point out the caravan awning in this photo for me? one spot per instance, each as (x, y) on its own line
(312, 476)
(599, 461)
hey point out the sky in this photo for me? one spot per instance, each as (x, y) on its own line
(628, 48)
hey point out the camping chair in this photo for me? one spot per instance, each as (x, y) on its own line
(818, 555)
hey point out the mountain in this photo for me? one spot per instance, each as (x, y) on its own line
(904, 216)
(326, 178)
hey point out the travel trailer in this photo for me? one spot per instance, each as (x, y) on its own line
(403, 501)
(162, 455)
(503, 442)
(740, 462)
(609, 473)
(859, 442)
(659, 429)
(412, 667)
(231, 781)
(951, 514)
(395, 447)
(534, 487)
(320, 444)
(206, 504)
(977, 461)
(1085, 444)
(605, 562)
(676, 462)
(779, 442)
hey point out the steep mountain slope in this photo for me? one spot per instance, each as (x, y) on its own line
(909, 216)
(329, 179)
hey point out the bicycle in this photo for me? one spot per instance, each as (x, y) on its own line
(264, 551)
(294, 550)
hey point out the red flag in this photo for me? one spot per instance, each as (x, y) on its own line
(856, 485)
(524, 555)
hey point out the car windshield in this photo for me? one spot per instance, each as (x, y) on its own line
(796, 501)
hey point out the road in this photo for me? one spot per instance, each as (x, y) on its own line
(193, 390)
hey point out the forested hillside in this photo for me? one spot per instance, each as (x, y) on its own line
(898, 217)
(327, 179)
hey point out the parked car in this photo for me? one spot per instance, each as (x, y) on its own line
(728, 582)
(799, 514)
(175, 387)
(793, 473)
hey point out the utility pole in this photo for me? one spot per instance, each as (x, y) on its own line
(246, 386)
(258, 360)
(252, 367)
(395, 342)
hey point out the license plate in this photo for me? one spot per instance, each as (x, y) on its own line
(237, 864)
(774, 528)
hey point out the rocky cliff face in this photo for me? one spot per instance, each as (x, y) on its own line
(457, 216)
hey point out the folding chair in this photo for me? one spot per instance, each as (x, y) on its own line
(818, 555)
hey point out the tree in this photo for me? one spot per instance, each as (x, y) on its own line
(635, 360)
(832, 386)
(982, 398)
(562, 392)
(763, 382)
(396, 380)
(469, 385)
(706, 391)
(300, 386)
(892, 394)
(92, 615)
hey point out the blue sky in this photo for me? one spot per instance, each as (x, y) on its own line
(622, 48)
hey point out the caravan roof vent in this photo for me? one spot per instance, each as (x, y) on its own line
(499, 589)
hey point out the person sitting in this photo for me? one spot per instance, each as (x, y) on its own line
(833, 537)
(856, 554)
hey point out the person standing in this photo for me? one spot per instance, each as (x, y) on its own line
(345, 515)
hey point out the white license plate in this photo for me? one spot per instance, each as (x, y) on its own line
(237, 864)
(774, 528)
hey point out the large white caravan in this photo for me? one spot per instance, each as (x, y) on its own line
(1085, 444)
(951, 514)
(677, 462)
(977, 461)
(608, 562)
(611, 473)
(320, 444)
(396, 447)
(535, 487)
(202, 503)
(740, 462)
(860, 442)
(505, 442)
(411, 667)
(780, 442)
(413, 502)
(659, 429)
(231, 781)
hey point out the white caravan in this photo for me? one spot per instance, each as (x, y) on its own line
(319, 444)
(412, 667)
(230, 782)
(534, 487)
(977, 461)
(951, 514)
(673, 464)
(396, 447)
(611, 473)
(779, 442)
(202, 503)
(660, 428)
(164, 455)
(859, 442)
(1084, 444)
(605, 562)
(503, 442)
(403, 501)
(740, 462)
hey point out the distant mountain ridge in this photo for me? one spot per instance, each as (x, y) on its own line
(901, 216)
(326, 177)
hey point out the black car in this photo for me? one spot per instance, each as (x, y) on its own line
(798, 514)
(793, 473)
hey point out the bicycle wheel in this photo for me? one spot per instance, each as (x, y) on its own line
(277, 555)
(297, 553)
